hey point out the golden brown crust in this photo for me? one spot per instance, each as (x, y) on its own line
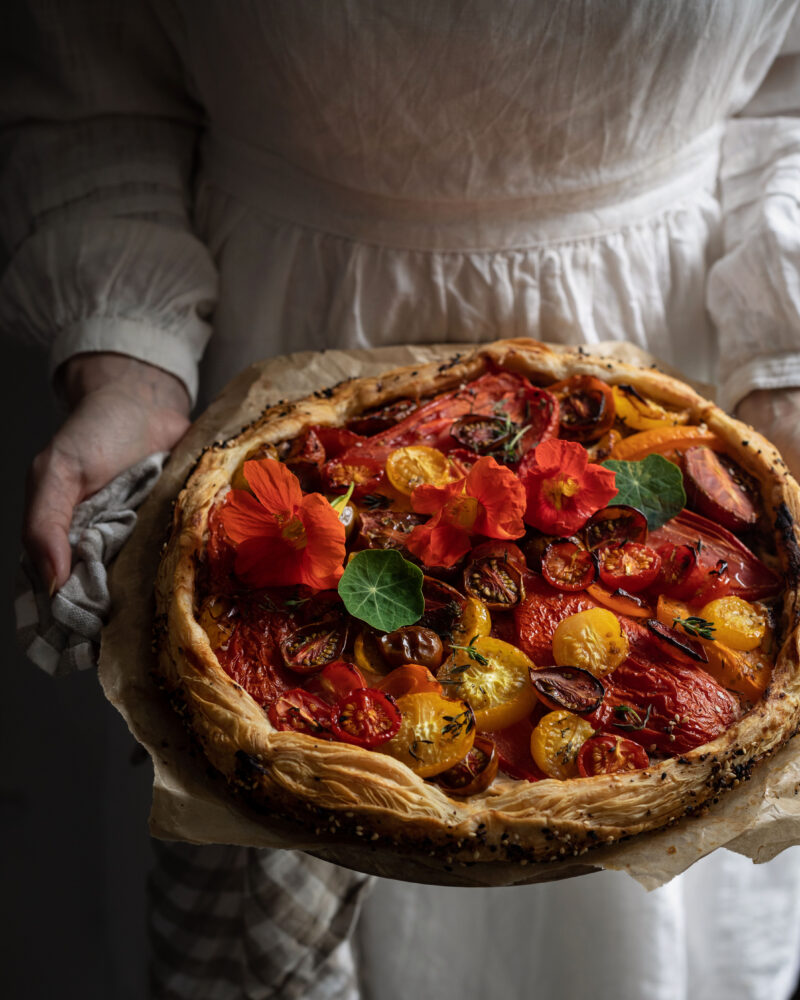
(341, 788)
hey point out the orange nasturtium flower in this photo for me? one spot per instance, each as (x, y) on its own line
(488, 501)
(563, 488)
(283, 537)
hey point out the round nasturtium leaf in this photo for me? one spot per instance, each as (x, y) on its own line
(653, 485)
(383, 589)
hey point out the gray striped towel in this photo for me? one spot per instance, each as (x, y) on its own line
(226, 922)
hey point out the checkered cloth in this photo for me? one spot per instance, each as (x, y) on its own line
(226, 922)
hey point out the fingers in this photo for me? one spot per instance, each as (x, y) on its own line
(53, 490)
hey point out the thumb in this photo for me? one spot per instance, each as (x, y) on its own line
(54, 487)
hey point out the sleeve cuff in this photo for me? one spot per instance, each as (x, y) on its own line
(777, 371)
(174, 351)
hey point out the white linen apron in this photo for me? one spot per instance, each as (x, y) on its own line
(375, 173)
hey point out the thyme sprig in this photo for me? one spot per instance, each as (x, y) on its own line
(629, 712)
(376, 501)
(472, 653)
(455, 723)
(693, 625)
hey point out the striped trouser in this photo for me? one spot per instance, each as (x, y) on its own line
(237, 923)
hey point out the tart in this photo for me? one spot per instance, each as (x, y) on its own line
(504, 608)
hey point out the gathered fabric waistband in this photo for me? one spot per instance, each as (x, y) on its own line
(272, 185)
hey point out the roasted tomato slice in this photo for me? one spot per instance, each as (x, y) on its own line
(412, 644)
(496, 580)
(641, 414)
(473, 773)
(679, 576)
(411, 678)
(305, 458)
(494, 678)
(435, 733)
(570, 688)
(417, 465)
(586, 407)
(678, 640)
(631, 566)
(336, 680)
(513, 746)
(310, 647)
(443, 606)
(621, 602)
(352, 467)
(335, 440)
(610, 755)
(556, 741)
(386, 529)
(615, 525)
(383, 419)
(481, 434)
(712, 490)
(301, 712)
(365, 718)
(568, 566)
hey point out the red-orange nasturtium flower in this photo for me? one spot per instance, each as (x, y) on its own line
(488, 501)
(283, 537)
(563, 488)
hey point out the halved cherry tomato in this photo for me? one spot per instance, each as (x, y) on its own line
(367, 652)
(298, 711)
(507, 550)
(736, 623)
(496, 580)
(435, 733)
(615, 525)
(416, 465)
(570, 688)
(443, 606)
(713, 491)
(310, 647)
(365, 718)
(586, 407)
(661, 440)
(353, 466)
(336, 680)
(386, 529)
(641, 414)
(481, 434)
(556, 742)
(620, 601)
(473, 773)
(411, 678)
(592, 639)
(412, 644)
(494, 678)
(631, 566)
(610, 755)
(680, 575)
(568, 566)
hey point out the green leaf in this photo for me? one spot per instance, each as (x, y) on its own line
(654, 485)
(383, 589)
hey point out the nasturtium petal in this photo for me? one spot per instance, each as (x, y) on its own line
(653, 484)
(383, 589)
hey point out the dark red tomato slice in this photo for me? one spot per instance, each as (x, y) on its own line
(570, 688)
(252, 655)
(680, 643)
(386, 529)
(335, 440)
(615, 525)
(300, 712)
(474, 773)
(383, 419)
(586, 407)
(630, 567)
(567, 566)
(749, 578)
(481, 434)
(537, 617)
(513, 745)
(610, 755)
(305, 458)
(308, 648)
(217, 570)
(506, 550)
(353, 466)
(712, 490)
(365, 718)
(680, 575)
(443, 606)
(336, 680)
(495, 579)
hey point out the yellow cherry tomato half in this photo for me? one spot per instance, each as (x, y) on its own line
(435, 733)
(736, 623)
(494, 678)
(642, 414)
(415, 465)
(592, 639)
(555, 743)
(473, 620)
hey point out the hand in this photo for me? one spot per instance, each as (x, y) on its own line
(122, 410)
(775, 413)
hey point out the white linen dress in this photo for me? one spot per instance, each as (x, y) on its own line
(303, 175)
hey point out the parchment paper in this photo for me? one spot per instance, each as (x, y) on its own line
(759, 820)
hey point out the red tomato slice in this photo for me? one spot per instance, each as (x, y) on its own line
(610, 755)
(630, 567)
(614, 525)
(411, 678)
(365, 718)
(353, 466)
(335, 440)
(679, 576)
(712, 489)
(336, 680)
(587, 407)
(749, 578)
(537, 617)
(300, 712)
(568, 566)
(513, 745)
(252, 655)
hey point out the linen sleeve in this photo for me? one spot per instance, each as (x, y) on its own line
(96, 158)
(753, 291)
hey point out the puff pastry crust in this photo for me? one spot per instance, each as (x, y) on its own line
(347, 790)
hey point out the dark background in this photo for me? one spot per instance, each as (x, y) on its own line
(74, 847)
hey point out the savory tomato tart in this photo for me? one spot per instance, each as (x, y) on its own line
(503, 608)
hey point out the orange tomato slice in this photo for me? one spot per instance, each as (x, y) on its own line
(410, 467)
(642, 414)
(494, 678)
(619, 603)
(435, 733)
(411, 678)
(664, 439)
